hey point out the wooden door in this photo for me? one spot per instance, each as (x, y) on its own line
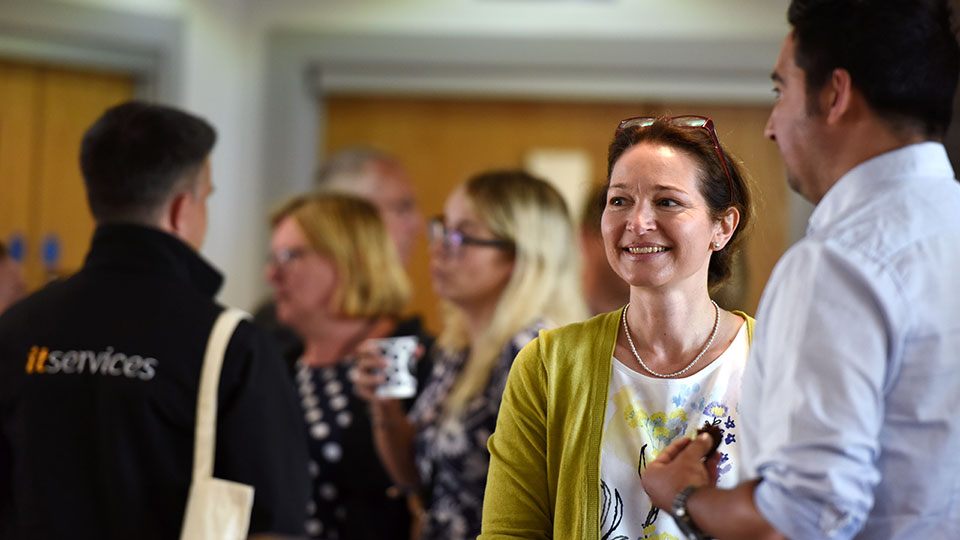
(19, 96)
(43, 114)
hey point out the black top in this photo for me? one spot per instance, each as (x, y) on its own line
(98, 385)
(352, 499)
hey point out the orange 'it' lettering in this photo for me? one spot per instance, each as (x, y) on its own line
(31, 358)
(42, 360)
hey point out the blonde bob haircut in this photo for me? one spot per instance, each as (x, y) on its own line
(530, 214)
(349, 230)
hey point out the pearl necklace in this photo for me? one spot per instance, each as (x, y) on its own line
(713, 334)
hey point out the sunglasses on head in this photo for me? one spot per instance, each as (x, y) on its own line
(685, 121)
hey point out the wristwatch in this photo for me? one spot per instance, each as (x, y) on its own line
(682, 517)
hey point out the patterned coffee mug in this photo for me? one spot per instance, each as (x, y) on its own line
(400, 357)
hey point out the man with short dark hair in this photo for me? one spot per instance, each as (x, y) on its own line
(99, 373)
(849, 402)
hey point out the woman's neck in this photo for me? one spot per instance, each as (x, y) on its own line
(670, 328)
(328, 341)
(478, 318)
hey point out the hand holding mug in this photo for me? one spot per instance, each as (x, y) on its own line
(384, 368)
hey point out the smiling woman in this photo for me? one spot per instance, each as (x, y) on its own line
(589, 404)
(657, 228)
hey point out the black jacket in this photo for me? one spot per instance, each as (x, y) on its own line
(98, 386)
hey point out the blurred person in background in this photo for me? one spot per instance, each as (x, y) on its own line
(378, 177)
(588, 405)
(603, 289)
(337, 281)
(503, 258)
(99, 372)
(12, 286)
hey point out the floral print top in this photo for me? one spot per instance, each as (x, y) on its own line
(644, 415)
(452, 456)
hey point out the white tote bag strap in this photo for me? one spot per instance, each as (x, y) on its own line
(206, 430)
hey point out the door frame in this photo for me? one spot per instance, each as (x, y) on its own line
(305, 66)
(145, 47)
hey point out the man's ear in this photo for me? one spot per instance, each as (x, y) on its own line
(176, 214)
(837, 95)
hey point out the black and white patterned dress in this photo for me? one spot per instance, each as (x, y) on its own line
(452, 458)
(349, 485)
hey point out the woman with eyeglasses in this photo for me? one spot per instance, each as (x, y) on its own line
(588, 405)
(337, 281)
(503, 258)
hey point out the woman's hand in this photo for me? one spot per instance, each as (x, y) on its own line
(392, 432)
(367, 372)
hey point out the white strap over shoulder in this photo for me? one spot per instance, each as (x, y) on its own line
(216, 509)
(206, 428)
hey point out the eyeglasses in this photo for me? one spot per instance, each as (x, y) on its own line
(283, 257)
(454, 240)
(686, 121)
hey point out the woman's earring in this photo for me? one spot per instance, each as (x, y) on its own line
(716, 245)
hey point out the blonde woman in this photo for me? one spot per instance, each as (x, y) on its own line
(337, 281)
(503, 258)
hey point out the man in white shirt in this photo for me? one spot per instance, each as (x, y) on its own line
(850, 423)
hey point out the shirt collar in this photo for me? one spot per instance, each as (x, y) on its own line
(878, 174)
(138, 249)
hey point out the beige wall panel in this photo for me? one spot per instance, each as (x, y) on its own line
(443, 141)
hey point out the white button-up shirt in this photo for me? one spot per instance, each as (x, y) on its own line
(851, 397)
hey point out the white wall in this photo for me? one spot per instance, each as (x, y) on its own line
(223, 64)
(246, 65)
(533, 18)
(147, 7)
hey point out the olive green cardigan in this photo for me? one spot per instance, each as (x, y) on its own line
(544, 479)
